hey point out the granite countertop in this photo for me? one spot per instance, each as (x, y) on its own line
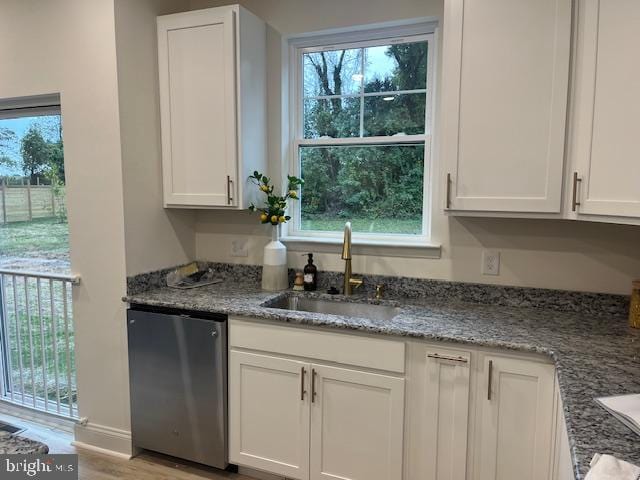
(11, 444)
(594, 355)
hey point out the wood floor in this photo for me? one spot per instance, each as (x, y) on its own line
(97, 466)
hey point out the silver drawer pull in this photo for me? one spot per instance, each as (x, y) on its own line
(229, 190)
(490, 380)
(445, 357)
(574, 201)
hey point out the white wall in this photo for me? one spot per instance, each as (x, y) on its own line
(536, 253)
(155, 238)
(68, 46)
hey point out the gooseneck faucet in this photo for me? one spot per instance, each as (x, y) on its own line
(349, 280)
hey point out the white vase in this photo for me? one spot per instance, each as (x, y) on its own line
(275, 275)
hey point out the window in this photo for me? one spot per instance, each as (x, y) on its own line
(37, 355)
(362, 118)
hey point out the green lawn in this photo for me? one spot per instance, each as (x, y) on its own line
(410, 226)
(35, 323)
(39, 238)
(37, 340)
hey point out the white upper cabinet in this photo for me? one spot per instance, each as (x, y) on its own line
(606, 165)
(504, 103)
(212, 100)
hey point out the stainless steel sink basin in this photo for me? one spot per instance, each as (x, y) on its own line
(347, 309)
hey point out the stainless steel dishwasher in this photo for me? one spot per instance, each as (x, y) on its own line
(178, 383)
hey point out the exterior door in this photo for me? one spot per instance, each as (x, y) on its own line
(356, 425)
(516, 419)
(269, 414)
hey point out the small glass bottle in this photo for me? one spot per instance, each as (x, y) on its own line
(634, 309)
(310, 274)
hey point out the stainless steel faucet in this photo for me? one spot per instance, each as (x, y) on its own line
(349, 280)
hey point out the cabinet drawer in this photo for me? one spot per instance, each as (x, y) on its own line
(341, 348)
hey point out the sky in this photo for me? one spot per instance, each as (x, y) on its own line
(19, 126)
(377, 65)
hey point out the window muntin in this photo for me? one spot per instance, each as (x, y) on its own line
(363, 136)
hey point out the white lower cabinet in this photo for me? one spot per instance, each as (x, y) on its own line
(562, 464)
(308, 420)
(268, 414)
(356, 425)
(425, 412)
(515, 415)
(446, 414)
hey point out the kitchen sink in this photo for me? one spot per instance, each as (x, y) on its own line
(347, 309)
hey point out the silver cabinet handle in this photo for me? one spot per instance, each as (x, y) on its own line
(574, 202)
(303, 372)
(313, 385)
(448, 201)
(229, 187)
(446, 357)
(490, 380)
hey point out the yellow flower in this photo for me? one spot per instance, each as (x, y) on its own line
(293, 194)
(264, 188)
(264, 217)
(282, 219)
(274, 219)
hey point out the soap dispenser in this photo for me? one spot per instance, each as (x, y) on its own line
(310, 274)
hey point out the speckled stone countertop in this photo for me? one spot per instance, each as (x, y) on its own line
(11, 444)
(594, 355)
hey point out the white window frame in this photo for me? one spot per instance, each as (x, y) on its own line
(359, 38)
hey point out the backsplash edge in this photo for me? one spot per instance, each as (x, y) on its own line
(598, 304)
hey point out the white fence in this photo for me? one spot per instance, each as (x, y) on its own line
(37, 341)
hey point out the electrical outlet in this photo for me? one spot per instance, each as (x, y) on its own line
(239, 248)
(490, 262)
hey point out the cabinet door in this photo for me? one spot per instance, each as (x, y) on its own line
(505, 72)
(516, 419)
(607, 108)
(446, 413)
(562, 457)
(356, 425)
(196, 59)
(269, 414)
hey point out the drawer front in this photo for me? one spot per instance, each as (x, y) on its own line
(347, 349)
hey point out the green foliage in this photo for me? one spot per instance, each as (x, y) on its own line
(6, 161)
(365, 182)
(41, 157)
(7, 137)
(56, 161)
(275, 206)
(55, 172)
(35, 152)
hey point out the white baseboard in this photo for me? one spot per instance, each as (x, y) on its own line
(257, 474)
(103, 439)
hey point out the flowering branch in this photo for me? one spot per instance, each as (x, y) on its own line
(275, 206)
